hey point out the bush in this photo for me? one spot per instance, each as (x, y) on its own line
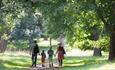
(102, 43)
(18, 45)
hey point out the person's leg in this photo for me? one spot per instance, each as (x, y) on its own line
(35, 60)
(52, 62)
(32, 59)
(61, 62)
(43, 62)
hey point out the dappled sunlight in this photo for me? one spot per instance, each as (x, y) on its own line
(74, 64)
(87, 63)
(17, 53)
(78, 52)
(12, 61)
(9, 62)
(105, 67)
(14, 66)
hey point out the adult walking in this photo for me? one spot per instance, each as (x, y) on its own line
(34, 51)
(60, 51)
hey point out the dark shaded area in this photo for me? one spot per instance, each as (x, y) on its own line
(112, 47)
(97, 52)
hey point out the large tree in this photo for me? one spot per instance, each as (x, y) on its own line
(104, 11)
(71, 16)
(77, 12)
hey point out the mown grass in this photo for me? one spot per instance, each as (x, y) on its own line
(88, 63)
(14, 62)
(21, 61)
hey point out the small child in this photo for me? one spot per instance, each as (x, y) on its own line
(43, 56)
(50, 57)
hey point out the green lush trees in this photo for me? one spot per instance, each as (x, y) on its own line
(72, 16)
(27, 26)
(104, 11)
(78, 20)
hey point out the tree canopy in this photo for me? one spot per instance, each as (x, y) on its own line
(78, 20)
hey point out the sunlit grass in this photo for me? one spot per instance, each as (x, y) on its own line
(88, 63)
(21, 60)
(14, 62)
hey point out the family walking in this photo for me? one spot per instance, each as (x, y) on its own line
(59, 52)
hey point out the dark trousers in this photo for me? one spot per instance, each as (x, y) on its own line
(60, 62)
(34, 59)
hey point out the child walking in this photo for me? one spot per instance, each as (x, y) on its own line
(43, 56)
(50, 57)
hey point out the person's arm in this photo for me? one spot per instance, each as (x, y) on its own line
(64, 51)
(38, 51)
(45, 55)
(56, 51)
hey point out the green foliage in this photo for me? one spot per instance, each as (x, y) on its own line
(6, 26)
(9, 9)
(79, 21)
(28, 25)
(18, 45)
(85, 45)
(102, 43)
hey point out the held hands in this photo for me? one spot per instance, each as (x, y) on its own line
(38, 53)
(54, 54)
(30, 53)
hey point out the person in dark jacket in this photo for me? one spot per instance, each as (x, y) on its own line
(34, 51)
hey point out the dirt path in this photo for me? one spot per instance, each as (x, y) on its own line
(39, 67)
(74, 52)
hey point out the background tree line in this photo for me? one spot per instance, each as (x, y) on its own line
(84, 23)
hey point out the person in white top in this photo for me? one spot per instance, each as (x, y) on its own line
(61, 40)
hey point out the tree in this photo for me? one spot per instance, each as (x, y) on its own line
(104, 10)
(76, 14)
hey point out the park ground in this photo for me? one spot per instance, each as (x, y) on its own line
(75, 59)
(22, 61)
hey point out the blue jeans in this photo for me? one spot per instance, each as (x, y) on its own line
(34, 59)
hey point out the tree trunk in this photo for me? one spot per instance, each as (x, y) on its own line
(3, 45)
(97, 52)
(112, 47)
(50, 41)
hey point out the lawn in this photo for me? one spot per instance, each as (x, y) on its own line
(88, 63)
(14, 61)
(22, 61)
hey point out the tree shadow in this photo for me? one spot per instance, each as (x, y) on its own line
(84, 63)
(14, 64)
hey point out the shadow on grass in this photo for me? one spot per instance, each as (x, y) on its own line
(84, 63)
(14, 63)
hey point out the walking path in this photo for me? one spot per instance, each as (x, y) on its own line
(39, 67)
(74, 52)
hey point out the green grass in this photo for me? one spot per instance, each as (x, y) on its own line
(13, 62)
(88, 63)
(22, 61)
